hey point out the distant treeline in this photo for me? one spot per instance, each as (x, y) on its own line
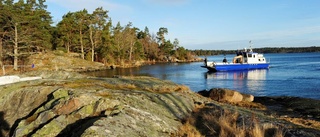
(260, 50)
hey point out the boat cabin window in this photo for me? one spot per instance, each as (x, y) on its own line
(249, 55)
(254, 56)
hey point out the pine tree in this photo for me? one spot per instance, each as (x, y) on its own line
(82, 21)
(118, 42)
(106, 49)
(66, 29)
(98, 20)
(25, 28)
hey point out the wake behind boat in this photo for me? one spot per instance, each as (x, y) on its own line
(244, 60)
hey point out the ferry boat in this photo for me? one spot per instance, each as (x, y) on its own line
(244, 60)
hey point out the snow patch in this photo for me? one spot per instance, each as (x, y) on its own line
(13, 79)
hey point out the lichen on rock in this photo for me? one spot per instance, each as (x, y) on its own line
(87, 106)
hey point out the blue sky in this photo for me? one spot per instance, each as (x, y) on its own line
(213, 24)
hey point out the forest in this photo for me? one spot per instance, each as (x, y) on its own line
(26, 28)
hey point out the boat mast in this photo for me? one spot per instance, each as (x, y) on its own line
(250, 45)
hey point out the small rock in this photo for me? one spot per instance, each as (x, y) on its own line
(247, 97)
(225, 95)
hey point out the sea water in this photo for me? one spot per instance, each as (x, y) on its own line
(290, 74)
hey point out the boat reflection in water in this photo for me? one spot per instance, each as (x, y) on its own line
(243, 81)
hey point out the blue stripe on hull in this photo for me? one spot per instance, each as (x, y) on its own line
(230, 67)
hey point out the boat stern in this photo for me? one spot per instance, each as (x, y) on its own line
(211, 66)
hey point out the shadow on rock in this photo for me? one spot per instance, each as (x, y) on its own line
(4, 125)
(77, 128)
(16, 123)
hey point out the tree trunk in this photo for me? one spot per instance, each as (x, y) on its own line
(81, 43)
(1, 53)
(130, 52)
(1, 58)
(15, 50)
(92, 45)
(68, 47)
(68, 44)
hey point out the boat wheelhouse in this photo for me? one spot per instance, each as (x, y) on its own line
(244, 60)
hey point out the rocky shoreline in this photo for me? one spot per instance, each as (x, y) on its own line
(62, 102)
(71, 104)
(67, 62)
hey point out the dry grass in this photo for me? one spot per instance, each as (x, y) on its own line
(104, 94)
(182, 88)
(154, 84)
(307, 123)
(246, 104)
(8, 70)
(165, 90)
(188, 130)
(118, 86)
(80, 83)
(224, 123)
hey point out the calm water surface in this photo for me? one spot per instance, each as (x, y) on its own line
(290, 74)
